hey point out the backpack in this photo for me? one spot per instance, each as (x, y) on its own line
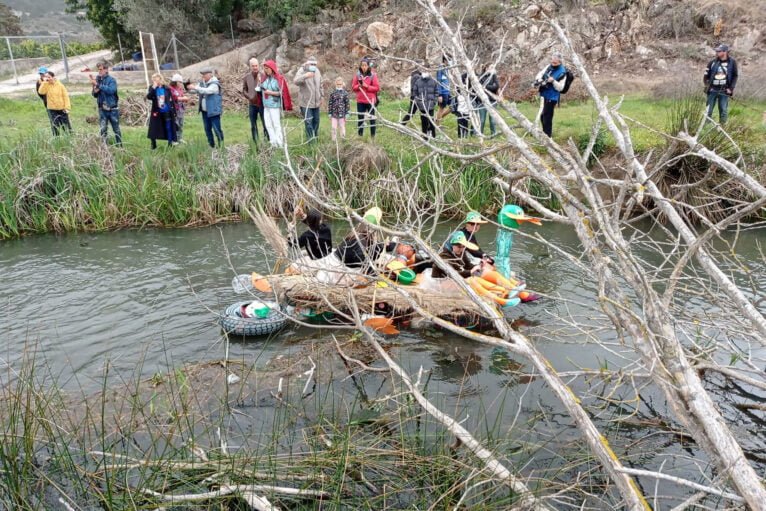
(570, 78)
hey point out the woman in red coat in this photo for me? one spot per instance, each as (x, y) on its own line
(366, 86)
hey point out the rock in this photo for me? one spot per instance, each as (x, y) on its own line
(746, 42)
(533, 11)
(643, 51)
(662, 64)
(707, 17)
(405, 87)
(340, 36)
(379, 35)
(252, 26)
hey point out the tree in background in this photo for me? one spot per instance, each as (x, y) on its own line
(9, 22)
(108, 20)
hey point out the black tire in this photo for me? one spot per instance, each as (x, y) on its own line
(232, 321)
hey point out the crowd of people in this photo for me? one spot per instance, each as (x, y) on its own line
(268, 95)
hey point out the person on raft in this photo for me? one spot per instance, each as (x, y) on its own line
(456, 254)
(316, 241)
(472, 224)
(355, 256)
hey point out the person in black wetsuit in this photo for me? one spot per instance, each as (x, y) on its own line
(317, 239)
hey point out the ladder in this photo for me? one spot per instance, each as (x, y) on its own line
(150, 59)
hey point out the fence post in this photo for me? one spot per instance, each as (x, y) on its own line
(119, 43)
(63, 56)
(175, 50)
(13, 62)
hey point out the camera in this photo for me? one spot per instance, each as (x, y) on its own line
(537, 84)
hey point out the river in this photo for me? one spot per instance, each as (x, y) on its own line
(145, 301)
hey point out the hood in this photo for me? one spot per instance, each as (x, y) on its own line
(271, 65)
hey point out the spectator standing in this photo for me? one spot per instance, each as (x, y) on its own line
(339, 107)
(272, 103)
(210, 105)
(251, 89)
(491, 86)
(308, 78)
(444, 99)
(43, 71)
(550, 81)
(161, 119)
(720, 79)
(366, 86)
(57, 102)
(107, 101)
(178, 93)
(414, 77)
(425, 93)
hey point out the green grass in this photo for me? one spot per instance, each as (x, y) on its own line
(72, 183)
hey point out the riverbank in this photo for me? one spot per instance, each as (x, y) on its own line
(75, 183)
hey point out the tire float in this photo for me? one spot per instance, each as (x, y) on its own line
(252, 318)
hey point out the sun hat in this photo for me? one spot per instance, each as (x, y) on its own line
(722, 47)
(311, 60)
(458, 238)
(474, 217)
(373, 215)
(177, 78)
(42, 70)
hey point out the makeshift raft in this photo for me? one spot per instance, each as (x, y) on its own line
(394, 300)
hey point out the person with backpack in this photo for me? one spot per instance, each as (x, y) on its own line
(720, 79)
(210, 105)
(491, 86)
(425, 96)
(550, 82)
(366, 86)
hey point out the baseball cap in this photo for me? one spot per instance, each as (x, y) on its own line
(42, 70)
(722, 47)
(205, 70)
(474, 217)
(177, 78)
(458, 238)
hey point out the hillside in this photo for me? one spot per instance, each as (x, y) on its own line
(43, 17)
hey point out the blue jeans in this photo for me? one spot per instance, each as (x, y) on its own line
(723, 104)
(311, 120)
(482, 120)
(255, 112)
(106, 117)
(212, 124)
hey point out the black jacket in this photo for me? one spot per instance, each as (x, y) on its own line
(356, 255)
(318, 244)
(732, 73)
(490, 82)
(157, 118)
(461, 264)
(414, 77)
(425, 93)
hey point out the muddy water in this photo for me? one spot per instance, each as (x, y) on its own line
(142, 302)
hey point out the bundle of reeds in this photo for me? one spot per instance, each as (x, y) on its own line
(270, 231)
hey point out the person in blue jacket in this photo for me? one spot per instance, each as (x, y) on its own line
(444, 99)
(550, 82)
(105, 92)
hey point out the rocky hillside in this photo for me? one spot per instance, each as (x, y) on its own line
(630, 44)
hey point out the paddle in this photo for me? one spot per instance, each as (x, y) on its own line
(381, 325)
(245, 283)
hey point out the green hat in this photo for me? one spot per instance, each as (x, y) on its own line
(458, 238)
(474, 217)
(373, 215)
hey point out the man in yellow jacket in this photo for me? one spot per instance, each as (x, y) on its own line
(57, 102)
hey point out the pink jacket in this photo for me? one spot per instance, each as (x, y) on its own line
(368, 94)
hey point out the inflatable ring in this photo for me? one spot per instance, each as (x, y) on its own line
(233, 322)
